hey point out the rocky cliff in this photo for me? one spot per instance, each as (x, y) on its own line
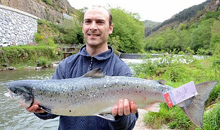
(52, 10)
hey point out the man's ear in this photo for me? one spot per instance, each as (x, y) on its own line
(110, 29)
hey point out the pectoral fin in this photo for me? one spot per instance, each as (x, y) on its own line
(45, 109)
(95, 73)
(107, 116)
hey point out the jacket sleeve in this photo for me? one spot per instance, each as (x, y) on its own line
(45, 116)
(124, 122)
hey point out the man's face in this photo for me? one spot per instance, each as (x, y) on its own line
(96, 28)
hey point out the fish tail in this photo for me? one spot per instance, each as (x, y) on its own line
(195, 108)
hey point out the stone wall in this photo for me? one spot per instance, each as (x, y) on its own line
(17, 27)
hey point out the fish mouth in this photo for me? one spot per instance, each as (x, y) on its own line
(9, 95)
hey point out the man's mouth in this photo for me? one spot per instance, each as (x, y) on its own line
(96, 35)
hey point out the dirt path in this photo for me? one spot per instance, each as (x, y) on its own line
(140, 125)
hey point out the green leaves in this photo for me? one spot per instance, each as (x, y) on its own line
(129, 30)
(201, 37)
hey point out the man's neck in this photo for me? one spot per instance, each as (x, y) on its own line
(95, 50)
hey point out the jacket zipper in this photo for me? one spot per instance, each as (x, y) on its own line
(91, 63)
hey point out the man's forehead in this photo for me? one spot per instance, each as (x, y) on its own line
(96, 12)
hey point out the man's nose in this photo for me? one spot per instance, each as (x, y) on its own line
(93, 25)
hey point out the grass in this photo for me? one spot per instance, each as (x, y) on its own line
(176, 74)
(23, 56)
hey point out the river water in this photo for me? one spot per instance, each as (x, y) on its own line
(14, 117)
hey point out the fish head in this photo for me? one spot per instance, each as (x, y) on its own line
(21, 92)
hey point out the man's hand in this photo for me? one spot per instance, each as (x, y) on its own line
(35, 109)
(124, 107)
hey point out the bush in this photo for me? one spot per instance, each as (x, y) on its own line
(49, 2)
(38, 37)
(27, 55)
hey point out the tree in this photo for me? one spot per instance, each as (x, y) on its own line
(128, 30)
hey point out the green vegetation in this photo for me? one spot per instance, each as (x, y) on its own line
(128, 31)
(200, 37)
(177, 73)
(193, 13)
(49, 2)
(24, 56)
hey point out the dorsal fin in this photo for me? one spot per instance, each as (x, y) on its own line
(95, 73)
(161, 82)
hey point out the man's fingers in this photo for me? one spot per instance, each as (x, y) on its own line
(121, 107)
(35, 109)
(133, 107)
(126, 107)
(115, 110)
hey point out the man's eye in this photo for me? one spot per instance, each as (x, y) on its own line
(87, 22)
(100, 22)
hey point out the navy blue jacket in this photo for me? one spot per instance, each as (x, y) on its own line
(76, 66)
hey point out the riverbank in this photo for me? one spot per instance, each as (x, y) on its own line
(53, 65)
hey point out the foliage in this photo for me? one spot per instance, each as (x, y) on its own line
(49, 2)
(212, 118)
(129, 30)
(182, 16)
(27, 55)
(38, 37)
(70, 33)
(200, 37)
(174, 117)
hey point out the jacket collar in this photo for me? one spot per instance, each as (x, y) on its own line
(103, 56)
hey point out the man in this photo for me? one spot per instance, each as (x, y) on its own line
(97, 25)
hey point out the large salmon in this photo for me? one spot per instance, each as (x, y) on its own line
(96, 94)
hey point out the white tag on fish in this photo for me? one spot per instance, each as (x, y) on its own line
(180, 94)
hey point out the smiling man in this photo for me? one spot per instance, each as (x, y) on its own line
(97, 25)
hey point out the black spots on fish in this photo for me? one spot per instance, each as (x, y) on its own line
(140, 91)
(137, 86)
(70, 111)
(69, 95)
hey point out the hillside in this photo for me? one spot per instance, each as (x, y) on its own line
(149, 25)
(52, 10)
(193, 13)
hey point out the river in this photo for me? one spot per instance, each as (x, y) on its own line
(14, 117)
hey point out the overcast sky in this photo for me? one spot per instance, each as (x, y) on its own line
(155, 10)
